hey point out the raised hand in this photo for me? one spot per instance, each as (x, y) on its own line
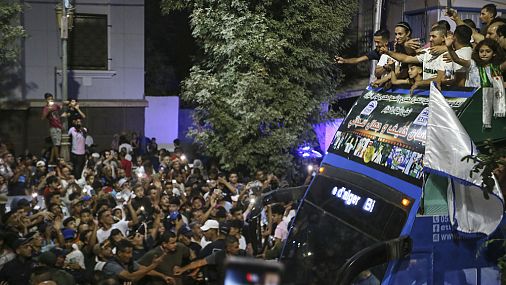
(451, 13)
(47, 215)
(438, 50)
(222, 180)
(377, 83)
(214, 201)
(413, 44)
(340, 60)
(449, 39)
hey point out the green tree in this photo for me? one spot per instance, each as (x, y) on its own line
(266, 76)
(10, 30)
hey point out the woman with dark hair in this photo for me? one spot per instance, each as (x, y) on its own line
(403, 41)
(406, 45)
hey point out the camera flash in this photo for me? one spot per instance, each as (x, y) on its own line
(183, 157)
(34, 195)
(309, 168)
(142, 208)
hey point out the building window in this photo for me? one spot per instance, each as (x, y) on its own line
(367, 43)
(88, 43)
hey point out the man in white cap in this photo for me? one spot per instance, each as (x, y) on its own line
(38, 180)
(211, 230)
(212, 227)
(40, 163)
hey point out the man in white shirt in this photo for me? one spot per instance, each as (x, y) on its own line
(125, 146)
(434, 67)
(78, 135)
(461, 43)
(105, 218)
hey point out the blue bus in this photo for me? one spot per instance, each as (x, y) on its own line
(372, 216)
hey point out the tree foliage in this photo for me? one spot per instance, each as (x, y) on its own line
(491, 162)
(10, 30)
(487, 162)
(266, 76)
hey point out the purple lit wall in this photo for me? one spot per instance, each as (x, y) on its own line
(325, 133)
(162, 118)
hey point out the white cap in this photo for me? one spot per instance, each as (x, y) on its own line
(40, 163)
(210, 224)
(95, 155)
(122, 181)
(176, 192)
(235, 198)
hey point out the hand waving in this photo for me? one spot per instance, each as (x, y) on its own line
(449, 40)
(413, 44)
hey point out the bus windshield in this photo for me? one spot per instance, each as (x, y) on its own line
(341, 214)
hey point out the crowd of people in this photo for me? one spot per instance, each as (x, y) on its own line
(136, 213)
(131, 213)
(462, 57)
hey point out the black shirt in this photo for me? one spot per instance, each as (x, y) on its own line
(218, 244)
(375, 55)
(73, 115)
(17, 271)
(195, 247)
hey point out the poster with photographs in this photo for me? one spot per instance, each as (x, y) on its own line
(387, 132)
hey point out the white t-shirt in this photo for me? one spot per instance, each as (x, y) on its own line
(76, 256)
(204, 242)
(464, 53)
(384, 60)
(281, 231)
(431, 64)
(127, 147)
(473, 76)
(78, 141)
(104, 234)
(242, 243)
(450, 68)
(89, 140)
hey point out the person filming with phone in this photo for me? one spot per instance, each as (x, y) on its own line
(51, 112)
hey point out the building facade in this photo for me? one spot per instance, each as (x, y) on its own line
(106, 71)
